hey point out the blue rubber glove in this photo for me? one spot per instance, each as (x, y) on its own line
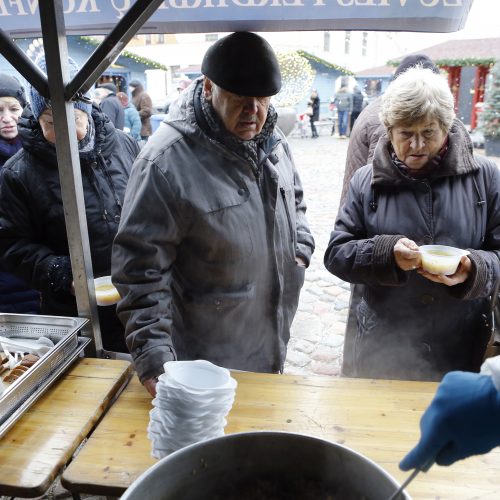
(462, 420)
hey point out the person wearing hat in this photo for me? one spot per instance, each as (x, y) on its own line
(143, 103)
(132, 119)
(210, 255)
(15, 296)
(33, 239)
(111, 106)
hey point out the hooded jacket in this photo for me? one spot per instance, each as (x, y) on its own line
(204, 259)
(408, 326)
(363, 139)
(143, 103)
(33, 239)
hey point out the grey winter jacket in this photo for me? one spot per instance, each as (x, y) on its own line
(205, 254)
(364, 136)
(408, 326)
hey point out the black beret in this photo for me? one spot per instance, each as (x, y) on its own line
(243, 63)
(11, 87)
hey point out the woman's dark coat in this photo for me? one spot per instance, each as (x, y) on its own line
(410, 327)
(33, 240)
(15, 296)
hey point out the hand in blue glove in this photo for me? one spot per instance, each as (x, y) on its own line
(462, 420)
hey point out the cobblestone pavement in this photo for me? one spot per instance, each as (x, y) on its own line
(317, 335)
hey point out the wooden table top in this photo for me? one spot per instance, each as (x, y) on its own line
(378, 418)
(42, 442)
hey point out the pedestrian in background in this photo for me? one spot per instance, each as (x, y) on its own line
(143, 103)
(211, 252)
(343, 103)
(314, 103)
(33, 237)
(111, 106)
(357, 105)
(15, 295)
(133, 124)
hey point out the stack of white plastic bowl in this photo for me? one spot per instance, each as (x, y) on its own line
(192, 401)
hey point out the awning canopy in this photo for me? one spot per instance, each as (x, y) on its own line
(21, 17)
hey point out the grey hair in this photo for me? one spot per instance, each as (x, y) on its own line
(416, 95)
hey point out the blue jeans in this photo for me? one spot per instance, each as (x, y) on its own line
(343, 117)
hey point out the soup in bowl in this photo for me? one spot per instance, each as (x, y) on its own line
(105, 292)
(441, 259)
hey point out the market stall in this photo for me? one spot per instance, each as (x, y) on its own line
(54, 19)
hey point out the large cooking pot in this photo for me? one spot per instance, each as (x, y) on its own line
(264, 465)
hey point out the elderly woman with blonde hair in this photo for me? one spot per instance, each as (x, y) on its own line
(424, 186)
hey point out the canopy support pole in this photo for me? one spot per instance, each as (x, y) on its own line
(68, 160)
(23, 64)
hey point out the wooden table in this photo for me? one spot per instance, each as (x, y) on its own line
(378, 418)
(42, 442)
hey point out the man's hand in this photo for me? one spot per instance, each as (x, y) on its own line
(407, 255)
(150, 385)
(461, 274)
(462, 420)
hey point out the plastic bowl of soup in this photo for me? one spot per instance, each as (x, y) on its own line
(105, 292)
(441, 259)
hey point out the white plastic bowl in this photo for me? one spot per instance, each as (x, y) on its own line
(197, 375)
(441, 259)
(105, 292)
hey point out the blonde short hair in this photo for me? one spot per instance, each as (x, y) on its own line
(416, 95)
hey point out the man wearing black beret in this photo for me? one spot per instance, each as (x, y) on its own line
(210, 256)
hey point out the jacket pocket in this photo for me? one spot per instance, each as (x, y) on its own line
(288, 199)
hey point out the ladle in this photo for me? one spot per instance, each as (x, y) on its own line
(409, 479)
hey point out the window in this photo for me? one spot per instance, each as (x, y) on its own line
(161, 38)
(326, 41)
(211, 37)
(347, 42)
(148, 39)
(364, 44)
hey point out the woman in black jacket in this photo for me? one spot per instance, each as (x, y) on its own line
(425, 186)
(33, 239)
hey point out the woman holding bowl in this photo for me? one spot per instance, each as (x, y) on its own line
(425, 186)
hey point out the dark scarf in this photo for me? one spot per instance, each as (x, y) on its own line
(424, 172)
(9, 148)
(245, 149)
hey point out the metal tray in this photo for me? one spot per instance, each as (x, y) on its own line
(63, 331)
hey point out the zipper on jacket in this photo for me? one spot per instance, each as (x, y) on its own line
(283, 195)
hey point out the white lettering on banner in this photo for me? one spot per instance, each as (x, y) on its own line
(19, 6)
(88, 6)
(250, 3)
(291, 3)
(387, 3)
(184, 4)
(121, 6)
